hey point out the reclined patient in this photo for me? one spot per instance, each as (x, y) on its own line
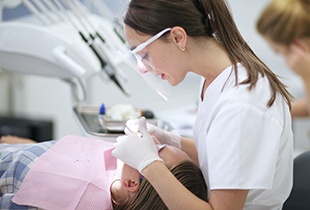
(80, 173)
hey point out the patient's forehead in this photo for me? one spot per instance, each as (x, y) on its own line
(172, 155)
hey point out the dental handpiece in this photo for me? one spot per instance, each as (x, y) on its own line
(133, 127)
(106, 68)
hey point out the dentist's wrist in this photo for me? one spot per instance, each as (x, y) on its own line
(175, 140)
(147, 163)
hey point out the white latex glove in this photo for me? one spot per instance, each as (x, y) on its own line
(164, 137)
(137, 151)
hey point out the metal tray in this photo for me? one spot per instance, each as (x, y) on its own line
(99, 126)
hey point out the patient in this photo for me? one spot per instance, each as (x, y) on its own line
(128, 189)
(9, 139)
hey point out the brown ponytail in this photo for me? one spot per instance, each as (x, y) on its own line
(228, 35)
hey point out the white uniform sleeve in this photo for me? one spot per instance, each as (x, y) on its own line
(242, 146)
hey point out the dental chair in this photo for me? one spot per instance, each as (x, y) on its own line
(299, 198)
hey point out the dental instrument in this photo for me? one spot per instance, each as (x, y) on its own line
(107, 67)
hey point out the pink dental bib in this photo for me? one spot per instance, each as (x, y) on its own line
(74, 174)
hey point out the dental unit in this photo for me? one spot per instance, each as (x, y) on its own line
(64, 39)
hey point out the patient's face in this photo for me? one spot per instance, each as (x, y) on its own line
(170, 155)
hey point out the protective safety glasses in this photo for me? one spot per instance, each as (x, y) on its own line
(134, 60)
(149, 41)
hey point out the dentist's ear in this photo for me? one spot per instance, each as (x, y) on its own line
(179, 37)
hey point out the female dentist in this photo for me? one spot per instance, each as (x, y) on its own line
(243, 140)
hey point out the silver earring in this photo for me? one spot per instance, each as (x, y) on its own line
(182, 48)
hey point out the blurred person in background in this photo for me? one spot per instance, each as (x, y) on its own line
(285, 25)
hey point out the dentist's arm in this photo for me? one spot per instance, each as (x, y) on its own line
(189, 147)
(172, 192)
(177, 197)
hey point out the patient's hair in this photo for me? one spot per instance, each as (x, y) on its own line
(284, 21)
(147, 198)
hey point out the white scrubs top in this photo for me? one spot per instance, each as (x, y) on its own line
(243, 144)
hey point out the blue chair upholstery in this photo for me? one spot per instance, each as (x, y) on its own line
(299, 198)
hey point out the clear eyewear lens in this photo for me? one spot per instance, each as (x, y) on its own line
(141, 68)
(138, 57)
(146, 43)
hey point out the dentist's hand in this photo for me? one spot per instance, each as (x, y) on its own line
(137, 152)
(164, 137)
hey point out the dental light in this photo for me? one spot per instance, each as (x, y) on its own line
(65, 41)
